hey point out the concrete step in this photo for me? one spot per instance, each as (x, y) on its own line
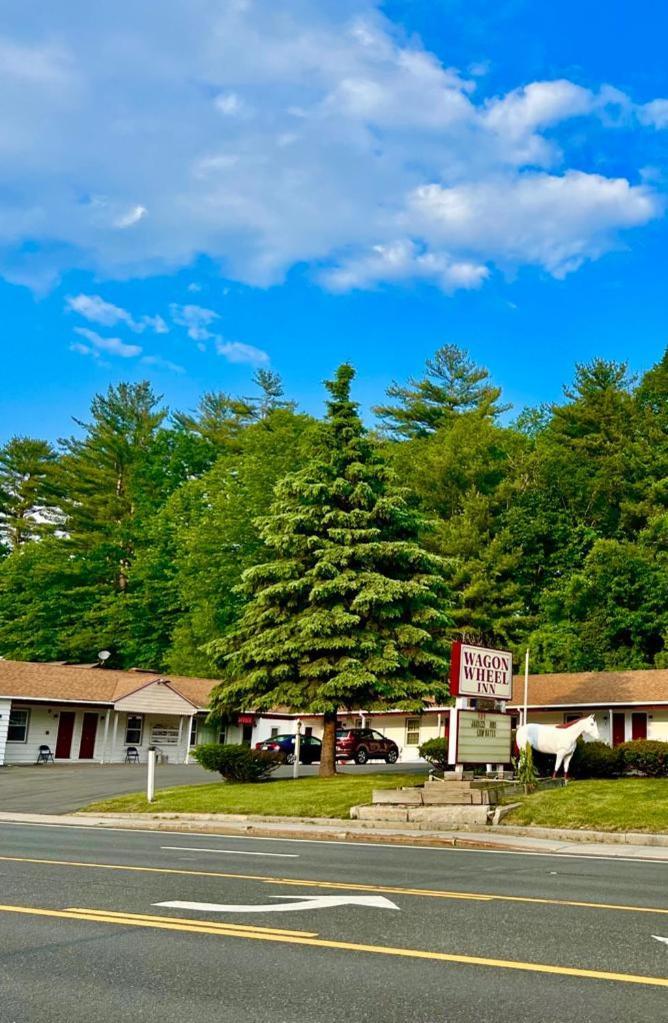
(450, 816)
(422, 816)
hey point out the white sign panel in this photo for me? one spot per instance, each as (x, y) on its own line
(483, 738)
(478, 671)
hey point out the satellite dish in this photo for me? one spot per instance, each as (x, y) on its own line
(103, 655)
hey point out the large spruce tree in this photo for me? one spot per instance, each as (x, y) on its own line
(349, 611)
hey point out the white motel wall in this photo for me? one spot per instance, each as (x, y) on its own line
(173, 736)
(655, 721)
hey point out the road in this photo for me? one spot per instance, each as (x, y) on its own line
(62, 788)
(481, 937)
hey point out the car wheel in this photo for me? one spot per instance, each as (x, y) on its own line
(392, 757)
(290, 758)
(361, 756)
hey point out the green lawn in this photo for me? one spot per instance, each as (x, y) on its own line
(305, 797)
(625, 804)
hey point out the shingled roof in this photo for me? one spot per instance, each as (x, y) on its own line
(593, 689)
(71, 683)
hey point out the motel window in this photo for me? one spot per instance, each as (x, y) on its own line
(273, 733)
(18, 726)
(194, 725)
(308, 730)
(133, 730)
(413, 732)
(222, 735)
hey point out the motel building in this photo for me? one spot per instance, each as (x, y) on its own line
(626, 704)
(94, 714)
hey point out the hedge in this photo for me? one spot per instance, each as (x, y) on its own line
(644, 756)
(237, 763)
(435, 752)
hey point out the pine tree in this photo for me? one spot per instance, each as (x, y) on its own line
(28, 494)
(453, 384)
(271, 397)
(113, 474)
(349, 611)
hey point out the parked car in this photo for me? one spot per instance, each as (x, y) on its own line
(362, 744)
(309, 748)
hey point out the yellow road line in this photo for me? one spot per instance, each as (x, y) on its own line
(346, 887)
(189, 920)
(222, 930)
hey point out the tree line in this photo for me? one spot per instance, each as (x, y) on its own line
(250, 541)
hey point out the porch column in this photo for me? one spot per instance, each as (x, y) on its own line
(105, 736)
(5, 708)
(113, 736)
(189, 728)
(178, 741)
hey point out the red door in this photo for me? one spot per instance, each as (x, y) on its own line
(65, 730)
(88, 732)
(618, 729)
(639, 726)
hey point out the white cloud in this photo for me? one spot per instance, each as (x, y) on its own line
(110, 345)
(403, 261)
(96, 310)
(196, 319)
(236, 351)
(160, 363)
(654, 113)
(131, 217)
(556, 222)
(267, 135)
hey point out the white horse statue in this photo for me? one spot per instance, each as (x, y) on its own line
(557, 739)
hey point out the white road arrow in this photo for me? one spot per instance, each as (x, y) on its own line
(657, 938)
(307, 902)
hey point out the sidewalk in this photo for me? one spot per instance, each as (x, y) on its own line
(518, 840)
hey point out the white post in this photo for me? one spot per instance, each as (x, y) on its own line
(298, 749)
(113, 736)
(438, 725)
(189, 728)
(106, 734)
(526, 687)
(150, 779)
(452, 737)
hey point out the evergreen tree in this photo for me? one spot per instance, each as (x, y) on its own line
(349, 610)
(28, 492)
(113, 477)
(453, 384)
(272, 394)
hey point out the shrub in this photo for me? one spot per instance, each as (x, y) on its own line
(594, 760)
(435, 752)
(646, 756)
(237, 763)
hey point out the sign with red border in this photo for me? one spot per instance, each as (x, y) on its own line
(479, 671)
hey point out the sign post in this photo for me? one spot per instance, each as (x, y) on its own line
(150, 778)
(298, 750)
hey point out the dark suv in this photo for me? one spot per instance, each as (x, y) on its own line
(362, 744)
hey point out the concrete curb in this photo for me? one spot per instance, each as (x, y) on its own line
(498, 839)
(584, 836)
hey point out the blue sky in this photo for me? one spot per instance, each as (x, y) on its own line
(244, 183)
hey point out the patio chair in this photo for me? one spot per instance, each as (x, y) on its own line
(132, 755)
(44, 755)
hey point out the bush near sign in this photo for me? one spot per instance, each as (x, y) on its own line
(478, 671)
(483, 738)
